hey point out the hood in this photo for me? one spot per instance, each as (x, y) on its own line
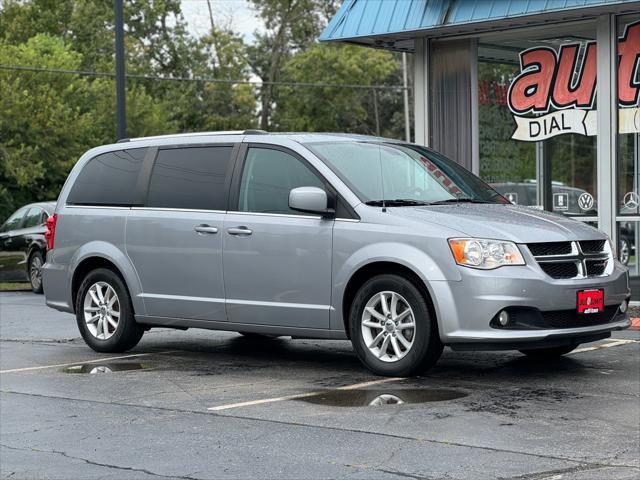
(503, 222)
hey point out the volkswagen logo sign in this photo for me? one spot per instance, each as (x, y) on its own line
(585, 201)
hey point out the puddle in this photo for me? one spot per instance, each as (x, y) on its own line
(94, 368)
(376, 398)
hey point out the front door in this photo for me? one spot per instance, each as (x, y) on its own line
(175, 240)
(277, 262)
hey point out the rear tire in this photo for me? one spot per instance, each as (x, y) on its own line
(549, 353)
(36, 261)
(386, 308)
(104, 313)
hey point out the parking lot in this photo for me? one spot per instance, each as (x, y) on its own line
(200, 404)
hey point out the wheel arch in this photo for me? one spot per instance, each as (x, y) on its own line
(118, 263)
(388, 267)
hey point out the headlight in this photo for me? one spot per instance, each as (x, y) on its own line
(485, 254)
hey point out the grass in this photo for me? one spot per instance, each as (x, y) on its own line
(14, 286)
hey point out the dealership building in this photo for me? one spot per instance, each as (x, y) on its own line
(541, 98)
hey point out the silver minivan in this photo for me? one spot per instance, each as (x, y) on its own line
(331, 236)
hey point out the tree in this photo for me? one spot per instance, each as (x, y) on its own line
(291, 25)
(48, 120)
(334, 108)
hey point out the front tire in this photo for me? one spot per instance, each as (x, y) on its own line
(35, 271)
(391, 328)
(549, 353)
(105, 314)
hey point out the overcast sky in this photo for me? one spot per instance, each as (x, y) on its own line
(238, 12)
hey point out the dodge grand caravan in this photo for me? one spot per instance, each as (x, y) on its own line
(385, 243)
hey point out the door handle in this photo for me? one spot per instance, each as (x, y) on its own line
(239, 231)
(205, 229)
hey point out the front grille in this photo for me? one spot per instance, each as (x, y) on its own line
(563, 260)
(592, 246)
(550, 248)
(560, 270)
(596, 268)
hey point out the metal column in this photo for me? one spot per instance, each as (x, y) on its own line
(607, 95)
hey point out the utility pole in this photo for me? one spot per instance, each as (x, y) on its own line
(121, 131)
(407, 127)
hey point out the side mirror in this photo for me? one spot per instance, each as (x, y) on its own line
(310, 200)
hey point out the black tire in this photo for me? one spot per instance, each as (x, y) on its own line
(36, 260)
(127, 333)
(426, 348)
(549, 353)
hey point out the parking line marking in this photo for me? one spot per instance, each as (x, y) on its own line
(106, 359)
(300, 395)
(615, 343)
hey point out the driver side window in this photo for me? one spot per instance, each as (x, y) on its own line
(268, 177)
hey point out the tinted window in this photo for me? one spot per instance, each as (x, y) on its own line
(34, 217)
(108, 179)
(268, 177)
(14, 220)
(191, 178)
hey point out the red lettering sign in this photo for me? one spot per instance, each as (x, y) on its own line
(546, 77)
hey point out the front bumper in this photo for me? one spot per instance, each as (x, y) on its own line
(465, 308)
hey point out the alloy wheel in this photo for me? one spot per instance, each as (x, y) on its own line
(101, 310)
(35, 271)
(388, 326)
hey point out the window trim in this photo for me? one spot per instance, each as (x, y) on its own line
(150, 161)
(234, 193)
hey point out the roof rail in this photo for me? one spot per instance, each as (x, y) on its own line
(195, 134)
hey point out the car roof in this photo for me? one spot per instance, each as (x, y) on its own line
(48, 206)
(300, 137)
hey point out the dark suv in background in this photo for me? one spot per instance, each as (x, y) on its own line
(22, 244)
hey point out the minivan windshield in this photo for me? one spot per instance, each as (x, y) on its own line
(403, 174)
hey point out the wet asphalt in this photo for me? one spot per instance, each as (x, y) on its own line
(202, 404)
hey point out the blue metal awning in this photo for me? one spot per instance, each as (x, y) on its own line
(374, 22)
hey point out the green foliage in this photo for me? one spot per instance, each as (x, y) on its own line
(47, 120)
(331, 108)
(498, 152)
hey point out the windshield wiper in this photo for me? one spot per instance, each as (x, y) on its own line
(397, 202)
(458, 200)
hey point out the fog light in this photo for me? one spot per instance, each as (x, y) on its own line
(624, 305)
(503, 318)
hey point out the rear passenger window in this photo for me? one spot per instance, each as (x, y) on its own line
(34, 217)
(190, 178)
(108, 179)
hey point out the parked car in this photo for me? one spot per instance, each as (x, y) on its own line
(565, 199)
(22, 244)
(385, 243)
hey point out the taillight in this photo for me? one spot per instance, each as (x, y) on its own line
(50, 232)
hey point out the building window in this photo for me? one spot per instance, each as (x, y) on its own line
(537, 109)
